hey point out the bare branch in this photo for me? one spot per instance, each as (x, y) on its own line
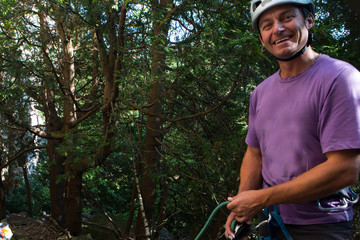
(13, 158)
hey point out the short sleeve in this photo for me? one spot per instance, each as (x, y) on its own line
(339, 123)
(251, 137)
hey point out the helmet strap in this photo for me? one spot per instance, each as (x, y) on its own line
(294, 56)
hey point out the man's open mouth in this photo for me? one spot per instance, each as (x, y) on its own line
(281, 40)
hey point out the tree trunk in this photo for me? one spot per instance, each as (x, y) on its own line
(53, 124)
(128, 225)
(57, 187)
(151, 158)
(2, 199)
(28, 189)
(73, 209)
(153, 135)
(73, 204)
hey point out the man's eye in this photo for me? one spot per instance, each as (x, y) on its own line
(266, 26)
(288, 17)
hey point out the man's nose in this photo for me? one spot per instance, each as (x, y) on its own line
(279, 27)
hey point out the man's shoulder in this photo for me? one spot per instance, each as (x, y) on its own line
(327, 69)
(333, 64)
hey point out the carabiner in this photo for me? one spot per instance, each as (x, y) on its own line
(344, 196)
(266, 221)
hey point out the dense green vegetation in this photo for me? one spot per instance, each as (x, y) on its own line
(135, 94)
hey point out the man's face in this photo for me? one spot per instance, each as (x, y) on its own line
(284, 31)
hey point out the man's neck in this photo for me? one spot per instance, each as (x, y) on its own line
(297, 65)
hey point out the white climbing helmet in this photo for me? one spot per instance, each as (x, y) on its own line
(258, 7)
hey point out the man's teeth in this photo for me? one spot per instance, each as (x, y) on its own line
(281, 40)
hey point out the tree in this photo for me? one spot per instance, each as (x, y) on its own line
(51, 84)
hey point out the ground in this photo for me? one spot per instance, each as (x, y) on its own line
(28, 228)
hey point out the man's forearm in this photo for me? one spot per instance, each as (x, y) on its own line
(250, 172)
(340, 170)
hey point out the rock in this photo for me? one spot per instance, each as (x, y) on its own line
(98, 227)
(82, 237)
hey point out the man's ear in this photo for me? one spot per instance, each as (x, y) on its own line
(260, 37)
(309, 21)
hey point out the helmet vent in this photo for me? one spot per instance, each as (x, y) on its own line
(255, 6)
(265, 2)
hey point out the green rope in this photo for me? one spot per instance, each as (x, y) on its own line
(210, 218)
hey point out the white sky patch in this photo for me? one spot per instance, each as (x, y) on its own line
(340, 33)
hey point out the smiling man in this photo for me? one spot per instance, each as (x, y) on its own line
(304, 132)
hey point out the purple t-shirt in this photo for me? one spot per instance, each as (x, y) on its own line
(295, 121)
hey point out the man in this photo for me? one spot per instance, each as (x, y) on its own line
(304, 130)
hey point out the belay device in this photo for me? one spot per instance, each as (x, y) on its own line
(239, 229)
(243, 229)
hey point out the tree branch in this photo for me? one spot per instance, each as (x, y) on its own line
(13, 158)
(163, 117)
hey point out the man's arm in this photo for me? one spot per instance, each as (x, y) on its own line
(250, 171)
(340, 170)
(250, 178)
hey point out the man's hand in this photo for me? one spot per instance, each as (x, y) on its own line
(235, 235)
(228, 232)
(246, 205)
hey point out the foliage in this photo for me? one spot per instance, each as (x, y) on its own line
(40, 193)
(334, 33)
(109, 186)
